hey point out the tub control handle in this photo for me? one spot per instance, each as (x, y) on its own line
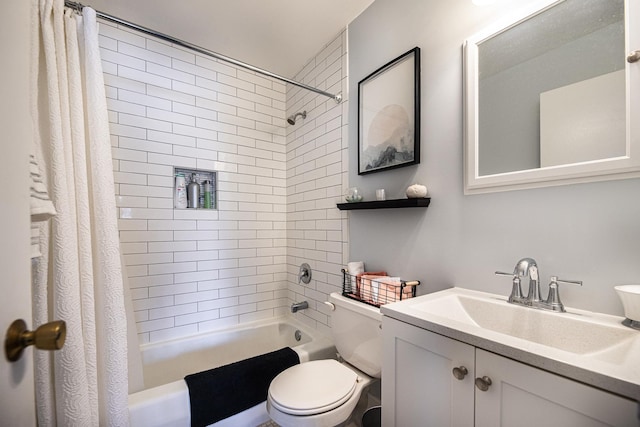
(331, 305)
(304, 275)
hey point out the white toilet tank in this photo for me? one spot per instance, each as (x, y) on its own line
(357, 333)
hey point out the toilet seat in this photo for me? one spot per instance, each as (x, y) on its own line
(313, 387)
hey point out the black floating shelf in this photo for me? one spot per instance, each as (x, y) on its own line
(386, 204)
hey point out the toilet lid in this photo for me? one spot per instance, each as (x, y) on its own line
(312, 387)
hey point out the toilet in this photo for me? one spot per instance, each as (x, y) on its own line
(326, 392)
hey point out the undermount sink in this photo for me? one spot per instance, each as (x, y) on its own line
(567, 331)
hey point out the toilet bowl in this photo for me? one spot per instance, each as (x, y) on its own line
(317, 393)
(326, 392)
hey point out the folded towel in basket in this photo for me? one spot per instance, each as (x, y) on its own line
(383, 289)
(219, 393)
(390, 290)
(363, 288)
(368, 286)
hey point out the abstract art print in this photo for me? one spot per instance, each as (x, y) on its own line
(389, 115)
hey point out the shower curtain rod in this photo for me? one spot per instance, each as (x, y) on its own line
(106, 16)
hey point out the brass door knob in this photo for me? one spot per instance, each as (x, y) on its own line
(49, 336)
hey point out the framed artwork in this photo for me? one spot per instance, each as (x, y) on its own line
(389, 115)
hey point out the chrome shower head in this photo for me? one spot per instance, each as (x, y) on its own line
(292, 119)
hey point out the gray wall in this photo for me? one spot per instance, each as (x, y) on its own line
(589, 232)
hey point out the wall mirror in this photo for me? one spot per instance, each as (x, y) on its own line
(549, 94)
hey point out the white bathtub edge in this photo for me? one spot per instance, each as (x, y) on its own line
(253, 416)
(174, 411)
(320, 348)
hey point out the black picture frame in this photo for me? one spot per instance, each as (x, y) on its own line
(389, 115)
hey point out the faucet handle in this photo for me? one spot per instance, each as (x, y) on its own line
(516, 289)
(571, 282)
(502, 273)
(553, 299)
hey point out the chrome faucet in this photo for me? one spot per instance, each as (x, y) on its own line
(528, 267)
(525, 267)
(299, 306)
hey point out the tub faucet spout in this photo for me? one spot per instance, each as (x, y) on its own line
(299, 306)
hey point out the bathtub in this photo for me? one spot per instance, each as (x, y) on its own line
(165, 399)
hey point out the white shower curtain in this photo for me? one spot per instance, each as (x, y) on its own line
(80, 281)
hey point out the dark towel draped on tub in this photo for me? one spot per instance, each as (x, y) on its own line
(225, 391)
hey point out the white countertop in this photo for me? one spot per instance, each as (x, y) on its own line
(615, 368)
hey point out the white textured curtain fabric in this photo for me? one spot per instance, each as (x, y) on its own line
(80, 282)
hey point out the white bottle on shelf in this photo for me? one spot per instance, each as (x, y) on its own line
(180, 198)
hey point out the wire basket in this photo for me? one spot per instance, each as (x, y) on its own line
(377, 290)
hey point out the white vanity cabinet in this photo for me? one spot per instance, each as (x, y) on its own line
(521, 395)
(420, 389)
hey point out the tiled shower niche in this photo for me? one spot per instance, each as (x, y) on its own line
(200, 176)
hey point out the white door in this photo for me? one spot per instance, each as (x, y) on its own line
(17, 406)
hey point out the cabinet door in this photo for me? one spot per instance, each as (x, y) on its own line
(418, 386)
(523, 396)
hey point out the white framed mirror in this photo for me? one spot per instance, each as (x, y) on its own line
(550, 98)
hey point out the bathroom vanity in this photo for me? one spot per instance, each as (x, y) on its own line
(467, 358)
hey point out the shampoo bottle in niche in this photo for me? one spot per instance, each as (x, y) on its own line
(180, 197)
(208, 194)
(193, 192)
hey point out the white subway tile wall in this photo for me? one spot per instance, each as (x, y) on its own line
(195, 270)
(317, 174)
(192, 271)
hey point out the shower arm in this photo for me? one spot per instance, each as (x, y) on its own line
(292, 119)
(78, 6)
